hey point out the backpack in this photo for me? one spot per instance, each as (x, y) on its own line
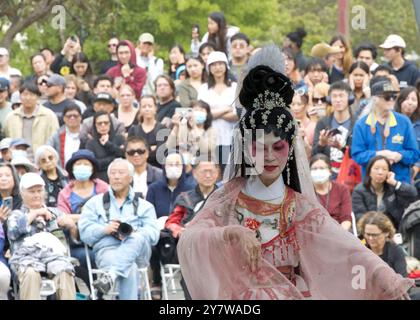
(410, 228)
(167, 247)
(106, 200)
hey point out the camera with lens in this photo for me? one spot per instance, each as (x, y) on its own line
(123, 231)
(41, 224)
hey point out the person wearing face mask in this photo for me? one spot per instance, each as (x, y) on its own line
(197, 131)
(18, 148)
(162, 195)
(333, 196)
(83, 184)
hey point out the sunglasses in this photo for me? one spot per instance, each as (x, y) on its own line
(389, 97)
(317, 100)
(112, 45)
(134, 151)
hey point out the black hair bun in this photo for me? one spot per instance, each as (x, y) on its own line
(262, 79)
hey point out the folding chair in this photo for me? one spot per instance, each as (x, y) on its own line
(144, 285)
(97, 272)
(168, 273)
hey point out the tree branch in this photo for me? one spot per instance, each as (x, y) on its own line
(20, 23)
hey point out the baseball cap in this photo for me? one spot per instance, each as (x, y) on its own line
(393, 41)
(19, 142)
(56, 80)
(4, 51)
(321, 50)
(382, 87)
(31, 179)
(5, 143)
(216, 56)
(104, 96)
(15, 98)
(4, 84)
(147, 37)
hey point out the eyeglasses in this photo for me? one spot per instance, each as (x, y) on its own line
(134, 151)
(389, 97)
(47, 159)
(102, 123)
(317, 100)
(372, 235)
(112, 45)
(74, 116)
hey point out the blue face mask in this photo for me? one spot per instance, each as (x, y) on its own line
(200, 117)
(82, 172)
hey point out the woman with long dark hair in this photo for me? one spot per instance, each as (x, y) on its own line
(380, 191)
(147, 127)
(408, 103)
(9, 200)
(219, 93)
(176, 61)
(196, 76)
(344, 59)
(218, 32)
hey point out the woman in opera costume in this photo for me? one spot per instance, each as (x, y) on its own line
(263, 235)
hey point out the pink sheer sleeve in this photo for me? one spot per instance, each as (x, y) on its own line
(336, 265)
(333, 263)
(214, 268)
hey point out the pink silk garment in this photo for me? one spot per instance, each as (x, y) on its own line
(333, 263)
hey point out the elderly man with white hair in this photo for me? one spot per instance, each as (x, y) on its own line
(34, 232)
(121, 228)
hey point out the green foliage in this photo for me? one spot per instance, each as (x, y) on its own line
(170, 22)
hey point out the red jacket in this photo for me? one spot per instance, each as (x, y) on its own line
(138, 77)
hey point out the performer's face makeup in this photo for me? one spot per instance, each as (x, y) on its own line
(276, 151)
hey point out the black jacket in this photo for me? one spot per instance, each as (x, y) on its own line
(407, 73)
(189, 200)
(106, 153)
(394, 256)
(153, 174)
(325, 123)
(395, 201)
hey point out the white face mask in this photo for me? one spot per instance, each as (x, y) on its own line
(320, 176)
(19, 153)
(173, 173)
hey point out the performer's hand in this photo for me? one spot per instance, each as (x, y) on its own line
(247, 241)
(404, 296)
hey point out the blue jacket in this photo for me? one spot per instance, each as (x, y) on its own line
(93, 220)
(402, 139)
(162, 197)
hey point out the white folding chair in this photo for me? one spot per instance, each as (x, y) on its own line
(353, 224)
(98, 272)
(144, 285)
(168, 273)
